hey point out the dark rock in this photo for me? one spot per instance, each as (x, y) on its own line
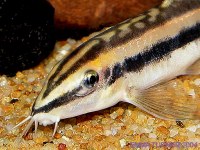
(26, 34)
(14, 100)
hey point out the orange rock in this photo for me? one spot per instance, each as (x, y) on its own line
(137, 138)
(29, 136)
(19, 75)
(40, 140)
(83, 145)
(16, 94)
(180, 138)
(77, 138)
(62, 146)
(7, 109)
(1, 129)
(69, 133)
(21, 87)
(57, 135)
(162, 130)
(120, 111)
(99, 138)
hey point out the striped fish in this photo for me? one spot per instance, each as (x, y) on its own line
(131, 62)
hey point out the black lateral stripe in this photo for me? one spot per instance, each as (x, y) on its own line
(66, 98)
(156, 53)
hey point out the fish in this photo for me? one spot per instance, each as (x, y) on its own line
(133, 61)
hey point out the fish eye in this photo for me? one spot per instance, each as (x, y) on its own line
(91, 78)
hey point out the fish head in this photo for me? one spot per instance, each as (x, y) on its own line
(74, 92)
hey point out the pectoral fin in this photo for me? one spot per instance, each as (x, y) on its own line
(167, 101)
(194, 69)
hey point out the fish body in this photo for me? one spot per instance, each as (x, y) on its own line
(127, 62)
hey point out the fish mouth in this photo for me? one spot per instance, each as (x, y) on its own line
(45, 119)
(41, 119)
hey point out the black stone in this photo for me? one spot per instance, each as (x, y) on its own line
(26, 34)
(180, 123)
(14, 100)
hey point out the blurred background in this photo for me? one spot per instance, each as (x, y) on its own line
(76, 18)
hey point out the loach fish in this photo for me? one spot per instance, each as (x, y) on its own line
(133, 62)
